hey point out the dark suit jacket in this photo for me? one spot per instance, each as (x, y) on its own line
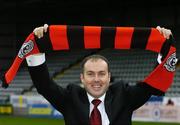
(120, 101)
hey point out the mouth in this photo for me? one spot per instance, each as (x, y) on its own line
(96, 87)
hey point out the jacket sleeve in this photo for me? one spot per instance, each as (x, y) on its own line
(139, 94)
(46, 86)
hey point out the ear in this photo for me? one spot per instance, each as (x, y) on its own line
(82, 78)
(109, 77)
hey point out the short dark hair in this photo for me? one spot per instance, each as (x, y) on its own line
(94, 56)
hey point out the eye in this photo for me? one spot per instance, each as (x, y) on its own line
(90, 74)
(102, 73)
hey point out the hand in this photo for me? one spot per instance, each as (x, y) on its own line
(39, 31)
(165, 32)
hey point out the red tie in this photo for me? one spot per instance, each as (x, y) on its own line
(95, 118)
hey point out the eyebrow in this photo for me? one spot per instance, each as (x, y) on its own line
(98, 71)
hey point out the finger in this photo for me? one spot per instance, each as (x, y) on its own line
(45, 27)
(41, 32)
(164, 32)
(38, 32)
(159, 29)
(35, 31)
(167, 33)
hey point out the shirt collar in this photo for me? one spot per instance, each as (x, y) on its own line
(90, 98)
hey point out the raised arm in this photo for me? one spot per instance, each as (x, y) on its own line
(42, 81)
(138, 94)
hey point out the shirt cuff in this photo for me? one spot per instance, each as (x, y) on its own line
(36, 59)
(159, 58)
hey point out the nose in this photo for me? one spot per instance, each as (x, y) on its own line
(96, 78)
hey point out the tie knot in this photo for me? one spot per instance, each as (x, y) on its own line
(96, 102)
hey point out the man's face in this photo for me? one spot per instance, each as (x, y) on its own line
(96, 77)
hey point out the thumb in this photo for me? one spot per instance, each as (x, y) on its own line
(45, 28)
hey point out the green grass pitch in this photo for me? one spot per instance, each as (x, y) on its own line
(9, 120)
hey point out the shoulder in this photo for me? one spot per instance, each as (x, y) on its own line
(125, 87)
(119, 85)
(74, 88)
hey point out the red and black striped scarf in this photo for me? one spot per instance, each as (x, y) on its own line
(65, 37)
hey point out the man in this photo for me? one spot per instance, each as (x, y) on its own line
(114, 103)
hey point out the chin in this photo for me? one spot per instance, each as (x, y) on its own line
(97, 95)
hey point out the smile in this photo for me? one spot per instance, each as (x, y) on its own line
(96, 87)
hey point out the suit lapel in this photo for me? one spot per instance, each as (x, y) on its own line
(85, 106)
(108, 104)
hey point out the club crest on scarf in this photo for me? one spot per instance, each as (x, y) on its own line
(171, 63)
(26, 48)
